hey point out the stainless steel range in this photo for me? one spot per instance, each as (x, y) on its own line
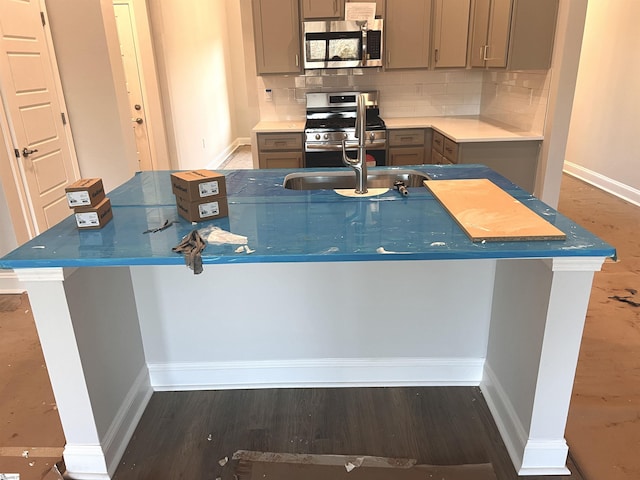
(331, 117)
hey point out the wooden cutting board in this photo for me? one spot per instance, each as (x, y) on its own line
(487, 213)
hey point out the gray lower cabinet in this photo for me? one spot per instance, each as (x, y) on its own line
(407, 146)
(280, 150)
(276, 25)
(517, 160)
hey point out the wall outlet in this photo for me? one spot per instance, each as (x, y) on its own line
(268, 95)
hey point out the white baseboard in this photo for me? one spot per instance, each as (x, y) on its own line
(99, 462)
(9, 283)
(334, 372)
(607, 184)
(222, 156)
(124, 424)
(529, 457)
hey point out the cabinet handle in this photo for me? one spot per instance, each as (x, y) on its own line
(437, 55)
(297, 60)
(485, 55)
(335, 6)
(449, 150)
(388, 57)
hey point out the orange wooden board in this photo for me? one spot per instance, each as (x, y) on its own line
(487, 213)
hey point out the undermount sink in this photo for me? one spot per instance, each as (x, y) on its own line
(347, 179)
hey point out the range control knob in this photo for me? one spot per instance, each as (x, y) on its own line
(317, 136)
(326, 136)
(372, 136)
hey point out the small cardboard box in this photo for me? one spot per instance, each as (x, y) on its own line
(94, 217)
(196, 185)
(85, 192)
(204, 209)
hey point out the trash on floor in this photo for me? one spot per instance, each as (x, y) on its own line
(290, 466)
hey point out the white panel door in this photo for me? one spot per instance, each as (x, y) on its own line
(32, 106)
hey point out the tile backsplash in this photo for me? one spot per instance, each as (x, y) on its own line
(515, 98)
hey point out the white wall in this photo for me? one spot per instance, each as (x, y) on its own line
(86, 43)
(604, 136)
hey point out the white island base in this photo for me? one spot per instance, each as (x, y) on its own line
(113, 335)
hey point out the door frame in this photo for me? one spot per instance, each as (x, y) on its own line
(143, 40)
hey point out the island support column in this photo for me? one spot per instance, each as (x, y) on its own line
(536, 329)
(88, 328)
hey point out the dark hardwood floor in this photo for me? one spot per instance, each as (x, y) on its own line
(183, 435)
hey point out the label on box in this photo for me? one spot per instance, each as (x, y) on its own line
(87, 219)
(210, 209)
(209, 188)
(81, 197)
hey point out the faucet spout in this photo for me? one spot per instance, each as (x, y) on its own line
(359, 164)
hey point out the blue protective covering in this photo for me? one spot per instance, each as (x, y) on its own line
(294, 226)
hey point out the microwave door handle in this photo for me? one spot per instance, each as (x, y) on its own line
(364, 47)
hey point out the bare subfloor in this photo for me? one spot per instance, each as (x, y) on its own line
(604, 422)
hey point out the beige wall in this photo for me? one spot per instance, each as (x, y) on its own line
(604, 137)
(195, 41)
(87, 49)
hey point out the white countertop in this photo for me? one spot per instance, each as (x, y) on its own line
(280, 127)
(458, 129)
(465, 129)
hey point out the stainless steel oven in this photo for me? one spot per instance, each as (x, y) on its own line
(331, 117)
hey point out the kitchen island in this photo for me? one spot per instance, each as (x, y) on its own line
(330, 291)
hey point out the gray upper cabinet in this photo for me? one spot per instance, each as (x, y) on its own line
(533, 28)
(516, 34)
(450, 33)
(321, 9)
(490, 33)
(407, 33)
(276, 26)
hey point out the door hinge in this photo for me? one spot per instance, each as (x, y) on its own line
(44, 22)
(64, 118)
(17, 152)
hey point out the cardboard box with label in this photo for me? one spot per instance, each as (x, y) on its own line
(86, 192)
(197, 185)
(94, 217)
(204, 209)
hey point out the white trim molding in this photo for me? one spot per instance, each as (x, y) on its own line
(331, 372)
(620, 190)
(10, 283)
(126, 420)
(79, 459)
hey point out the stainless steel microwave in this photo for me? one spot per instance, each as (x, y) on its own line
(342, 44)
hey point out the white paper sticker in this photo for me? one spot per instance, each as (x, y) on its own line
(209, 188)
(210, 209)
(87, 219)
(76, 199)
(357, 11)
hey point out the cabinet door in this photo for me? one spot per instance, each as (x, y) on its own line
(315, 9)
(533, 27)
(281, 160)
(490, 33)
(450, 33)
(407, 33)
(406, 156)
(277, 36)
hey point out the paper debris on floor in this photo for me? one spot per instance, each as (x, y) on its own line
(290, 466)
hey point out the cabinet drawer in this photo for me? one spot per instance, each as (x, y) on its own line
(406, 156)
(450, 150)
(438, 159)
(400, 138)
(281, 160)
(437, 143)
(279, 141)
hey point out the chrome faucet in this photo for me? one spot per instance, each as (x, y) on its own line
(359, 164)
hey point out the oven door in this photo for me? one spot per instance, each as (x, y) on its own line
(333, 157)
